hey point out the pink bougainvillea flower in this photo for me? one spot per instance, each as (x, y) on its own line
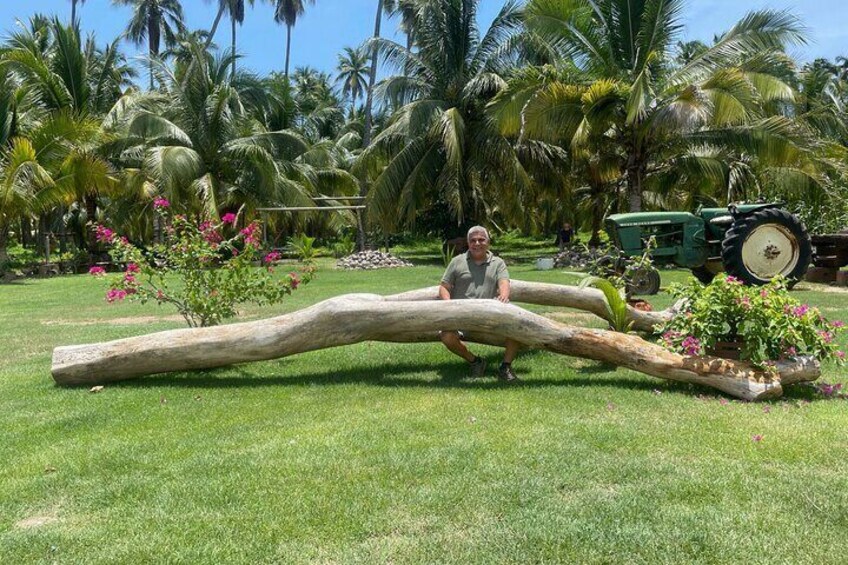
(115, 294)
(133, 268)
(840, 354)
(826, 336)
(228, 218)
(764, 293)
(801, 310)
(791, 352)
(161, 203)
(97, 271)
(838, 324)
(732, 279)
(103, 234)
(294, 280)
(129, 278)
(691, 345)
(757, 438)
(271, 257)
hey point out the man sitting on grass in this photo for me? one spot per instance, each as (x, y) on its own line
(477, 274)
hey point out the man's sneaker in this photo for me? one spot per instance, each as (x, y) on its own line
(478, 367)
(506, 375)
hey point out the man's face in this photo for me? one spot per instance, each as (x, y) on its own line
(478, 244)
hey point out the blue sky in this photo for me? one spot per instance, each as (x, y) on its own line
(330, 25)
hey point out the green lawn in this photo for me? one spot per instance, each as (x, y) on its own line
(385, 453)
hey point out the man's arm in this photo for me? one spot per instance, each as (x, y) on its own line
(444, 291)
(503, 290)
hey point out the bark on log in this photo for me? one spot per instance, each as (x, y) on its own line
(354, 318)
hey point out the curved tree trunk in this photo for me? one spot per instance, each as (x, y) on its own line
(288, 50)
(354, 318)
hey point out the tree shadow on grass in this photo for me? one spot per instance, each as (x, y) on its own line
(454, 375)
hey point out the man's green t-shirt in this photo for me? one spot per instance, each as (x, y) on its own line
(467, 279)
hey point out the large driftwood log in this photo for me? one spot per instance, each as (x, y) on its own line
(361, 317)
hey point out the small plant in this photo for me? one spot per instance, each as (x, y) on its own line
(212, 262)
(447, 253)
(615, 302)
(304, 246)
(768, 323)
(622, 271)
(344, 246)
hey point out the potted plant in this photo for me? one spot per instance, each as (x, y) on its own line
(760, 325)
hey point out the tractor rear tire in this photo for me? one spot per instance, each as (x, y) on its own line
(765, 244)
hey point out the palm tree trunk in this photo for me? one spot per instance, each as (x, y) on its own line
(214, 27)
(288, 49)
(4, 254)
(366, 135)
(233, 24)
(372, 78)
(636, 170)
(73, 12)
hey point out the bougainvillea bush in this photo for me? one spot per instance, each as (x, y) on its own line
(204, 268)
(767, 322)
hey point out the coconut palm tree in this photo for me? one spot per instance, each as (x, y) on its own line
(287, 12)
(651, 107)
(352, 71)
(74, 11)
(440, 148)
(235, 8)
(151, 20)
(406, 10)
(68, 88)
(205, 151)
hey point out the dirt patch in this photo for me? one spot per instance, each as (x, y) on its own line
(36, 521)
(138, 320)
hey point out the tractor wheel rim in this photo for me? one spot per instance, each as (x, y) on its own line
(770, 250)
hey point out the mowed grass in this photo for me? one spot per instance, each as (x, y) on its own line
(385, 453)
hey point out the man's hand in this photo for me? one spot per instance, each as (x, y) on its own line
(444, 292)
(503, 291)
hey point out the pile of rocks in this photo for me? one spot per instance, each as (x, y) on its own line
(578, 257)
(368, 260)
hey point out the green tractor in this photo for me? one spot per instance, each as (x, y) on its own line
(752, 242)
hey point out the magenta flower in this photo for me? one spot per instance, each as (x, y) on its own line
(294, 280)
(116, 294)
(733, 280)
(103, 234)
(97, 271)
(838, 324)
(840, 354)
(129, 278)
(764, 293)
(271, 257)
(228, 218)
(826, 336)
(133, 268)
(161, 203)
(791, 351)
(801, 310)
(691, 345)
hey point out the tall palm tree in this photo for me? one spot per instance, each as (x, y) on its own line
(623, 50)
(352, 72)
(151, 20)
(440, 149)
(286, 12)
(236, 10)
(406, 10)
(74, 11)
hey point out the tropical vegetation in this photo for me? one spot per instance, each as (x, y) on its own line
(579, 107)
